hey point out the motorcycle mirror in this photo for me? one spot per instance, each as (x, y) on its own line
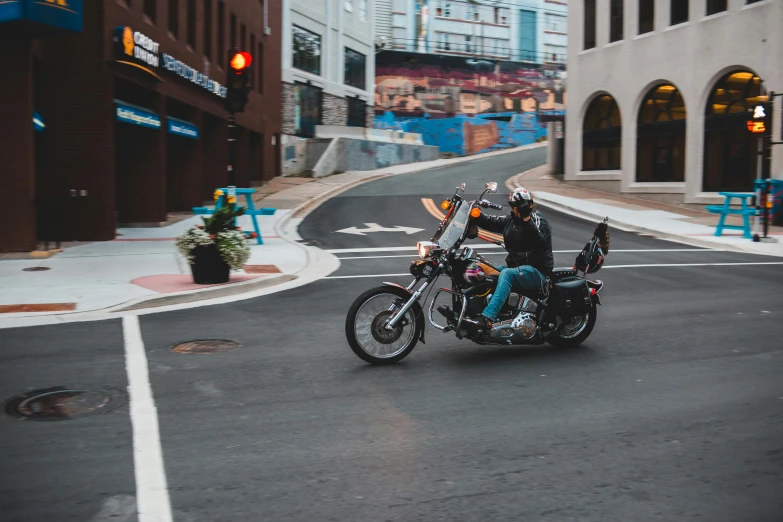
(462, 187)
(492, 187)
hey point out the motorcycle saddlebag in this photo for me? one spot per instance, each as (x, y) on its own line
(571, 298)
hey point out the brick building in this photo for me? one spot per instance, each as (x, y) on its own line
(121, 120)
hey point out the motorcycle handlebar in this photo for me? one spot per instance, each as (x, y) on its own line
(484, 203)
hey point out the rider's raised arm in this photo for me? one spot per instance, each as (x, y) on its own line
(543, 233)
(492, 223)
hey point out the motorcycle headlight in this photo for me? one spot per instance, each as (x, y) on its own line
(425, 247)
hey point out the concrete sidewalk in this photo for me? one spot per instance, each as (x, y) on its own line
(680, 224)
(141, 268)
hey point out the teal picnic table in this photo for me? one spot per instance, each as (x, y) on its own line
(250, 208)
(745, 210)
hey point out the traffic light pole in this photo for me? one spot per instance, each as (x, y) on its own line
(762, 203)
(232, 149)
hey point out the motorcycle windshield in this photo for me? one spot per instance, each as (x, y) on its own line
(453, 232)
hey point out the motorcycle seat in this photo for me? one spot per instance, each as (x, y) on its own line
(558, 274)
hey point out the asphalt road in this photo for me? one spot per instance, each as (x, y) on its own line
(672, 410)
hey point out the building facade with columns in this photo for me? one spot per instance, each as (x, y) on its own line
(659, 95)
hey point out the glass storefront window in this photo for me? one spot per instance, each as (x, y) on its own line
(602, 135)
(660, 145)
(355, 69)
(357, 112)
(730, 151)
(307, 109)
(307, 50)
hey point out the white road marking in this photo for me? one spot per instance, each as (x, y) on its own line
(693, 264)
(152, 494)
(369, 275)
(665, 265)
(396, 249)
(559, 252)
(375, 227)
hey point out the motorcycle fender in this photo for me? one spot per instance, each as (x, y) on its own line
(386, 283)
(597, 285)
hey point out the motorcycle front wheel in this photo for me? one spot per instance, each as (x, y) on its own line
(365, 326)
(576, 331)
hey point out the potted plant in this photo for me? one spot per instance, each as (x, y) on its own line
(216, 247)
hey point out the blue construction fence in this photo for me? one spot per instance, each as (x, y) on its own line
(514, 129)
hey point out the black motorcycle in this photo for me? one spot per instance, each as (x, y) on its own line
(385, 323)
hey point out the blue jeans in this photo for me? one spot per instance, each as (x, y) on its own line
(521, 279)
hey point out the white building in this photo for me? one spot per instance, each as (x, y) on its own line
(659, 93)
(525, 30)
(328, 64)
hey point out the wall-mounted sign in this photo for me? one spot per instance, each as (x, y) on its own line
(38, 122)
(182, 128)
(140, 50)
(128, 113)
(134, 48)
(189, 73)
(66, 14)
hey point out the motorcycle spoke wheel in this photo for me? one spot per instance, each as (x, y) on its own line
(370, 330)
(575, 327)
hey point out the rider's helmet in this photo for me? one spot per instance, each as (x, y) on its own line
(591, 259)
(520, 197)
(474, 274)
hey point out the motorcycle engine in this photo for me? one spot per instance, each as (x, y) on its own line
(521, 328)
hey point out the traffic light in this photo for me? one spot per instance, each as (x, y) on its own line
(238, 81)
(760, 123)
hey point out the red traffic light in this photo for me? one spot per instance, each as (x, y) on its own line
(240, 61)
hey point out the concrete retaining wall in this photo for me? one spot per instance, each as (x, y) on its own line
(301, 154)
(345, 154)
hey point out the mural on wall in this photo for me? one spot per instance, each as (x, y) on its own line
(465, 105)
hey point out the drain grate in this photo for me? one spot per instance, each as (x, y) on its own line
(60, 403)
(36, 269)
(206, 346)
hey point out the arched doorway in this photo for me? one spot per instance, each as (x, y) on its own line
(660, 131)
(602, 135)
(730, 151)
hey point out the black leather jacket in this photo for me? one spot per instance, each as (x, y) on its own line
(527, 242)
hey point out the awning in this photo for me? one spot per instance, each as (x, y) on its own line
(182, 128)
(129, 113)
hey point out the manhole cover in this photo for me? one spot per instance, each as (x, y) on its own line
(64, 403)
(36, 269)
(206, 346)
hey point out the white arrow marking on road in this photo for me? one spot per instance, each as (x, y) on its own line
(375, 227)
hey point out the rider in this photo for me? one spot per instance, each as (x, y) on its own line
(528, 241)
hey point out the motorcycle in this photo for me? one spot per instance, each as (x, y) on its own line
(385, 323)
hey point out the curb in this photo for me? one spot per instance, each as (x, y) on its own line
(201, 295)
(511, 183)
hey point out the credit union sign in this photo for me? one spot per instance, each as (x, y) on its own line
(134, 48)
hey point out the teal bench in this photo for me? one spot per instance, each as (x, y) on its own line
(724, 210)
(250, 209)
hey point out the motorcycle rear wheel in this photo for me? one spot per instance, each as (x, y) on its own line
(576, 337)
(364, 326)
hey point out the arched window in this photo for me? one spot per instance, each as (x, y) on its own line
(730, 151)
(602, 135)
(660, 145)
